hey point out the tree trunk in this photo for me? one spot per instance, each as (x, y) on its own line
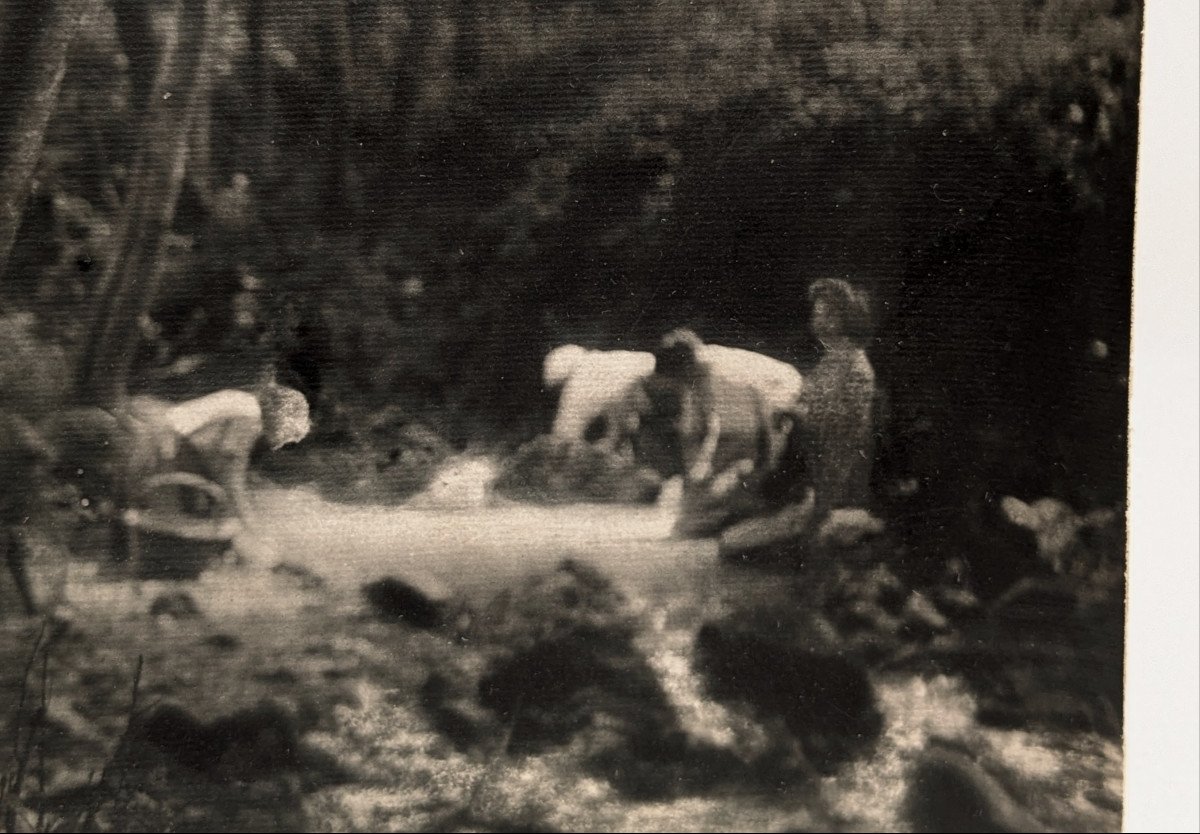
(135, 31)
(263, 175)
(343, 200)
(130, 280)
(199, 162)
(33, 60)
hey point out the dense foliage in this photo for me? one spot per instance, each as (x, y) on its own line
(406, 203)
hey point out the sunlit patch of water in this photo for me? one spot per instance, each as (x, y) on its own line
(871, 793)
(667, 642)
(405, 774)
(1069, 781)
(409, 774)
(407, 777)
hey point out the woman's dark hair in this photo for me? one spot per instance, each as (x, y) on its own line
(677, 355)
(851, 306)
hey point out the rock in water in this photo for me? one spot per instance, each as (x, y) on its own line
(847, 527)
(545, 693)
(418, 601)
(598, 683)
(252, 744)
(571, 653)
(573, 597)
(550, 470)
(950, 792)
(450, 707)
(775, 536)
(570, 671)
(177, 605)
(463, 483)
(825, 701)
(305, 578)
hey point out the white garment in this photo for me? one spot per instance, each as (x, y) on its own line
(777, 382)
(594, 380)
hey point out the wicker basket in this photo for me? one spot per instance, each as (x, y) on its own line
(171, 538)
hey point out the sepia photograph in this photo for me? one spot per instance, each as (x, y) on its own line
(566, 415)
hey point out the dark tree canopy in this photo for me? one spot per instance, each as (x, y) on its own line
(407, 203)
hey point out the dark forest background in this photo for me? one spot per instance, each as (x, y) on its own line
(403, 205)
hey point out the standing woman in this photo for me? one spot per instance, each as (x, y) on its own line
(836, 413)
(831, 449)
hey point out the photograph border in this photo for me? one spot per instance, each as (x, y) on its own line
(1162, 706)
